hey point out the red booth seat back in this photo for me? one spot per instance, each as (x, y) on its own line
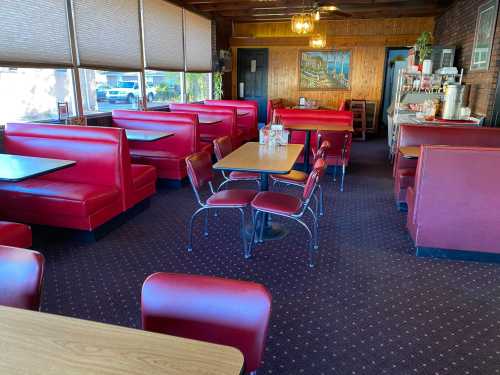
(248, 123)
(21, 274)
(227, 116)
(227, 312)
(185, 126)
(101, 154)
(453, 203)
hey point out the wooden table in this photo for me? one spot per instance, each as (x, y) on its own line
(316, 127)
(410, 152)
(146, 135)
(266, 160)
(36, 343)
(15, 168)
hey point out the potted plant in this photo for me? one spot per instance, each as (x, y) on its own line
(424, 48)
(218, 89)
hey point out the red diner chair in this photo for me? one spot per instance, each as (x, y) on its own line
(299, 178)
(21, 275)
(222, 148)
(285, 205)
(200, 172)
(221, 311)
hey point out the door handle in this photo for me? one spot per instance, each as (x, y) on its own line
(242, 89)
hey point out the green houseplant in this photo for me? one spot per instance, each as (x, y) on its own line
(424, 48)
(218, 90)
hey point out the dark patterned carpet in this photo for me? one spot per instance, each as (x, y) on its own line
(370, 306)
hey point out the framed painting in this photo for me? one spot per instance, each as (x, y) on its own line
(483, 37)
(325, 70)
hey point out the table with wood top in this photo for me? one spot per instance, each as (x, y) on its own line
(16, 168)
(265, 160)
(146, 135)
(410, 152)
(308, 128)
(37, 343)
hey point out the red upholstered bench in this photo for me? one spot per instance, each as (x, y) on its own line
(166, 155)
(248, 123)
(101, 185)
(416, 135)
(226, 127)
(15, 234)
(452, 207)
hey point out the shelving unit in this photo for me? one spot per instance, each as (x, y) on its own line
(407, 93)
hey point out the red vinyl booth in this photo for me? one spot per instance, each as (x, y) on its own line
(21, 275)
(310, 116)
(227, 126)
(272, 105)
(15, 234)
(416, 135)
(166, 155)
(222, 311)
(454, 202)
(249, 123)
(102, 184)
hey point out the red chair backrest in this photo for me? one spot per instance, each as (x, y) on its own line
(227, 312)
(325, 146)
(101, 153)
(199, 168)
(318, 171)
(21, 275)
(186, 140)
(222, 147)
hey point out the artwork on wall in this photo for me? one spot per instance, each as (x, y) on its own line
(483, 38)
(325, 70)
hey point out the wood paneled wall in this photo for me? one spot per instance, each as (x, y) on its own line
(367, 39)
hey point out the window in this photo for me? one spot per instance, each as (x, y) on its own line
(197, 87)
(33, 94)
(103, 91)
(163, 87)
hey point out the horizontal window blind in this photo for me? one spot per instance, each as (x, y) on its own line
(34, 32)
(108, 34)
(162, 23)
(197, 42)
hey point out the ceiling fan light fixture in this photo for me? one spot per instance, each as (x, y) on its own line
(329, 8)
(302, 23)
(316, 15)
(317, 41)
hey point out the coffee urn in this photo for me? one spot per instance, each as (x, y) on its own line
(452, 101)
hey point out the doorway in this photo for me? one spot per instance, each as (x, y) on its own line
(396, 59)
(252, 77)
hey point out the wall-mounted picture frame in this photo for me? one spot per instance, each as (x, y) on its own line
(483, 37)
(321, 70)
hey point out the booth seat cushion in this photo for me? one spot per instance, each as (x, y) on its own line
(277, 202)
(15, 234)
(168, 165)
(143, 182)
(58, 198)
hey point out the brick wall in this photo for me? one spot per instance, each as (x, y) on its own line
(456, 28)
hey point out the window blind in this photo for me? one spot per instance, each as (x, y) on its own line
(108, 34)
(197, 42)
(163, 44)
(34, 32)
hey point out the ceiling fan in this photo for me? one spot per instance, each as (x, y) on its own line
(328, 8)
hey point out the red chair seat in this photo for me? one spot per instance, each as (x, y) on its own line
(237, 175)
(237, 198)
(279, 203)
(293, 176)
(15, 234)
(57, 197)
(21, 274)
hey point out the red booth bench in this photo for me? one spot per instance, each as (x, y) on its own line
(225, 118)
(166, 155)
(101, 185)
(15, 234)
(452, 210)
(416, 135)
(248, 121)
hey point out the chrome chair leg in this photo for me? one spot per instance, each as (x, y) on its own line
(334, 173)
(222, 184)
(311, 240)
(316, 204)
(242, 211)
(262, 225)
(342, 179)
(252, 238)
(321, 201)
(316, 228)
(205, 228)
(190, 228)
